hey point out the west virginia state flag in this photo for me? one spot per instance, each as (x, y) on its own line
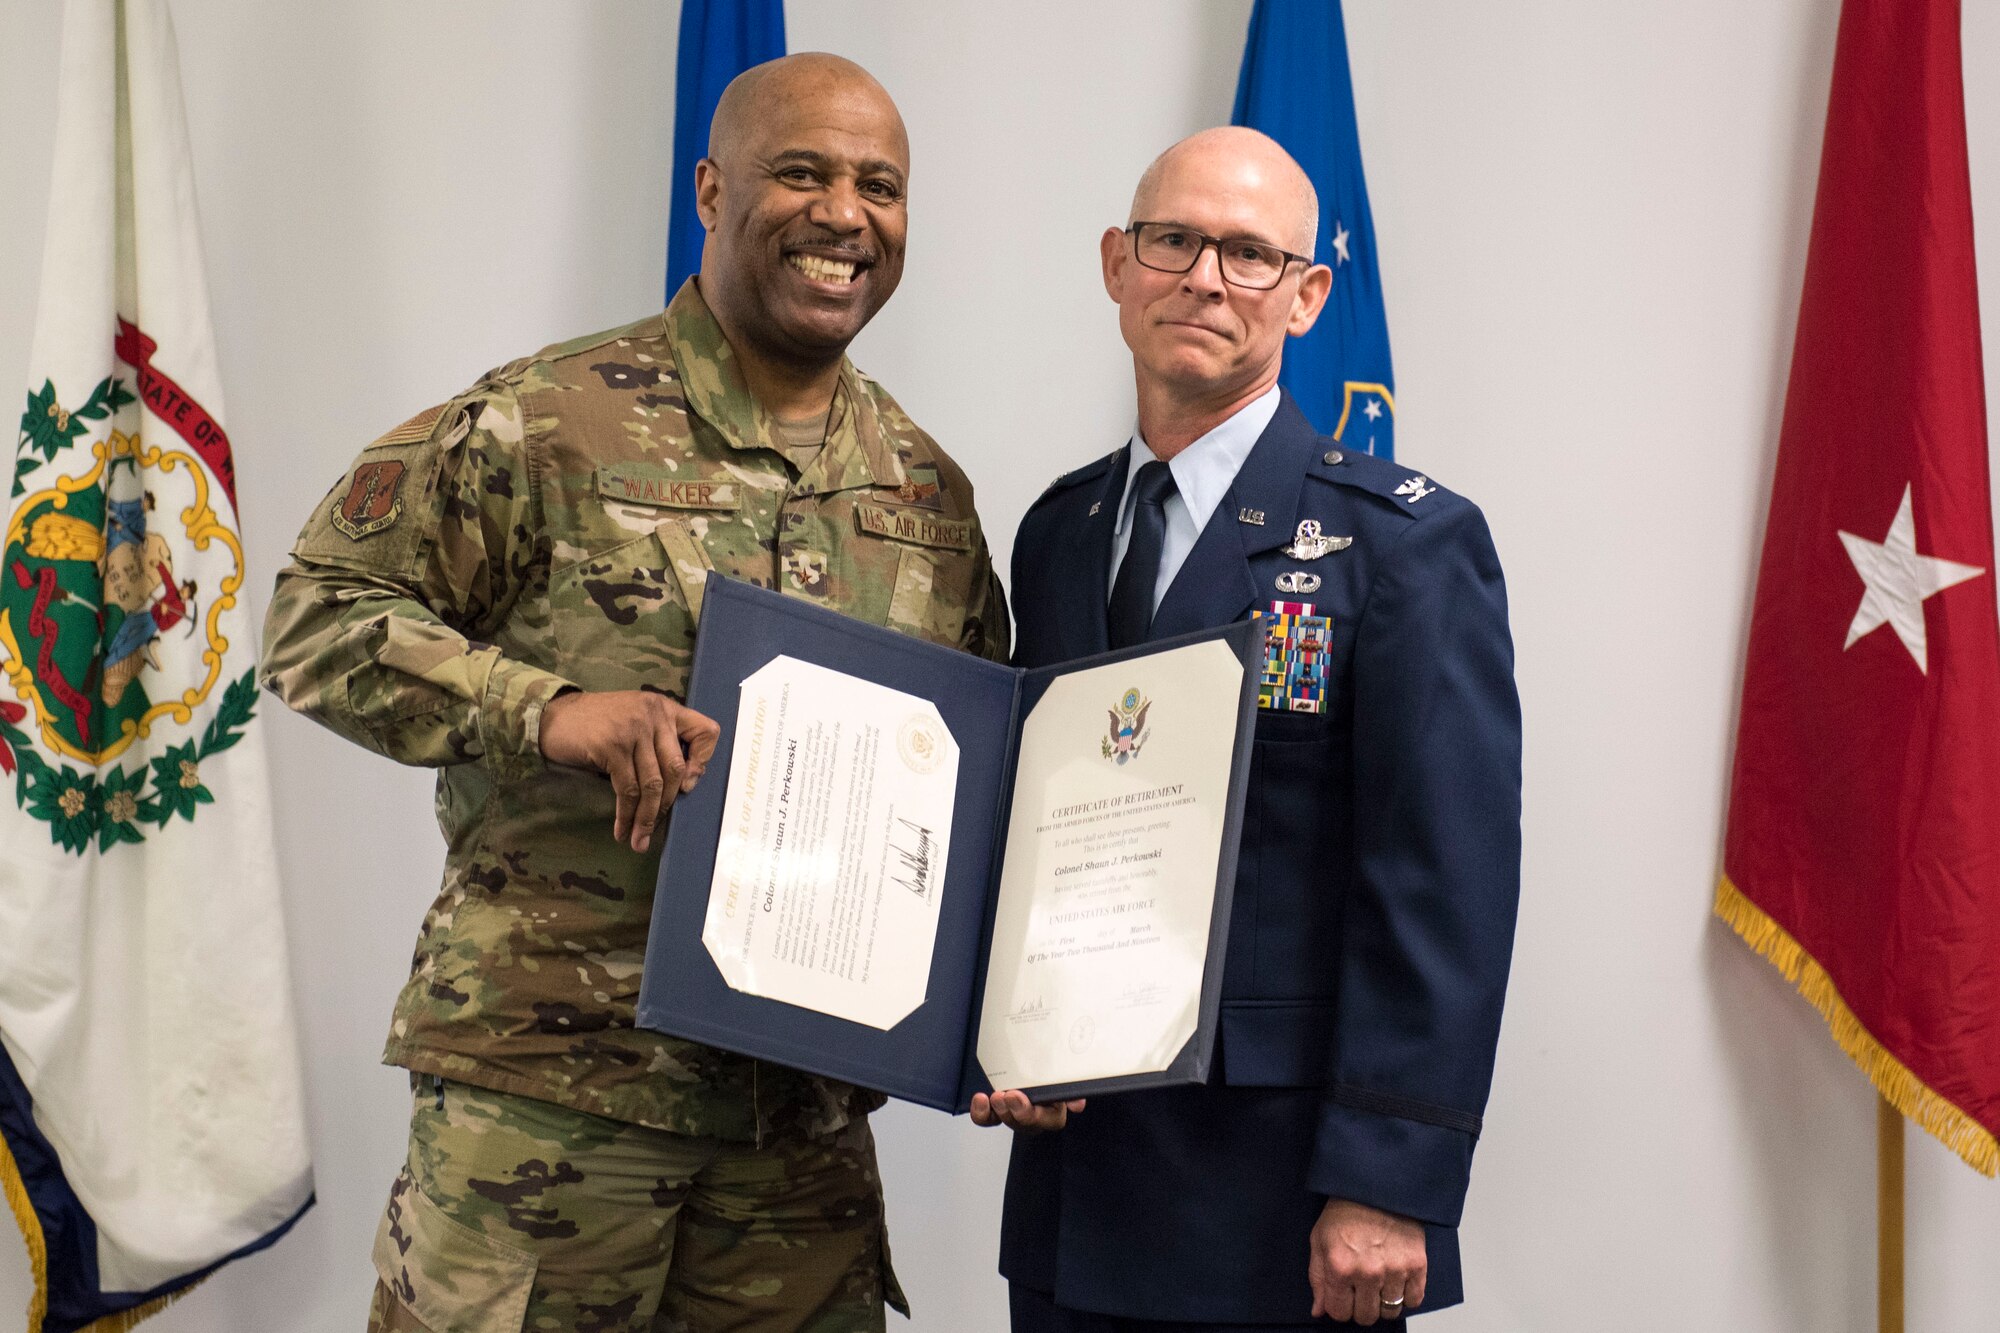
(149, 1078)
(1863, 851)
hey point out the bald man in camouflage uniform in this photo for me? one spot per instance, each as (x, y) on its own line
(506, 588)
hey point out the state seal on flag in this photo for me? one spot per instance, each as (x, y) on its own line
(113, 580)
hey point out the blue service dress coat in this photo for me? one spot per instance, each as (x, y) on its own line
(1375, 899)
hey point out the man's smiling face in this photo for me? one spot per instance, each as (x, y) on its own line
(804, 198)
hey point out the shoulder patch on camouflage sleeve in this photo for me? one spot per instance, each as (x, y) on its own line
(375, 518)
(413, 431)
(372, 502)
(424, 425)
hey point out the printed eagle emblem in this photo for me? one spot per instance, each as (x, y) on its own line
(1128, 728)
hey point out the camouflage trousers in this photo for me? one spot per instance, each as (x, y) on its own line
(516, 1216)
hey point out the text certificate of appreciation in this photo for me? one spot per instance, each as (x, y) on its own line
(833, 845)
(1101, 932)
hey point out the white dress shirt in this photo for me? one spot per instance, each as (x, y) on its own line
(1203, 473)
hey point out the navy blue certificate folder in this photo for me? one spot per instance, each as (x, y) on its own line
(928, 1057)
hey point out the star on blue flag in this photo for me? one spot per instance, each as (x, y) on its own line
(1295, 88)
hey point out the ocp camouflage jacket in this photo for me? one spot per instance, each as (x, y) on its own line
(552, 527)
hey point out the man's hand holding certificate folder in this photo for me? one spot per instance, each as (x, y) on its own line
(926, 873)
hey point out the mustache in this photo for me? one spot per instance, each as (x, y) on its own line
(839, 247)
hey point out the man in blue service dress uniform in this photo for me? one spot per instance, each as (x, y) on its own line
(1321, 1172)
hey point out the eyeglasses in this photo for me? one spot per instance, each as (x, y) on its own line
(1171, 248)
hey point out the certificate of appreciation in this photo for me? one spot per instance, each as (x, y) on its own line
(835, 833)
(927, 873)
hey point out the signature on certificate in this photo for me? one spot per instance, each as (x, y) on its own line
(913, 853)
(1030, 1011)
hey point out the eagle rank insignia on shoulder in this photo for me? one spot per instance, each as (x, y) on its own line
(1416, 488)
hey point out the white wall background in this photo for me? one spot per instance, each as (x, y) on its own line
(1593, 220)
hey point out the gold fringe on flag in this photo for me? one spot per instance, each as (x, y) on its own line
(1904, 1090)
(125, 1320)
(31, 1232)
(38, 1259)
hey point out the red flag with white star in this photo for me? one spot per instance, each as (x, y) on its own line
(1863, 849)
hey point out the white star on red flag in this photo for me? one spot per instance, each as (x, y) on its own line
(1898, 582)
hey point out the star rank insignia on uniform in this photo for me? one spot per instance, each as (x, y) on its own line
(807, 570)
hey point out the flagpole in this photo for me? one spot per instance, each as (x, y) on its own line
(1888, 1217)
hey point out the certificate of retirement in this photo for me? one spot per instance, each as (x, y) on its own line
(920, 871)
(832, 852)
(1102, 932)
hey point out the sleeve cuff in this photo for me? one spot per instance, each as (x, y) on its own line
(1399, 1165)
(510, 717)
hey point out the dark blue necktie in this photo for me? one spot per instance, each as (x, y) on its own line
(1131, 615)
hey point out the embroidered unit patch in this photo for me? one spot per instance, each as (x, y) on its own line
(370, 505)
(1295, 659)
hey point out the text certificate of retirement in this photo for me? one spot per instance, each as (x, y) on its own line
(1101, 934)
(832, 854)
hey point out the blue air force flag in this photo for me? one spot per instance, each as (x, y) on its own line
(719, 40)
(151, 1118)
(1295, 88)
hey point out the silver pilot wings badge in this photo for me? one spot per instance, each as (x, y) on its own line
(1308, 544)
